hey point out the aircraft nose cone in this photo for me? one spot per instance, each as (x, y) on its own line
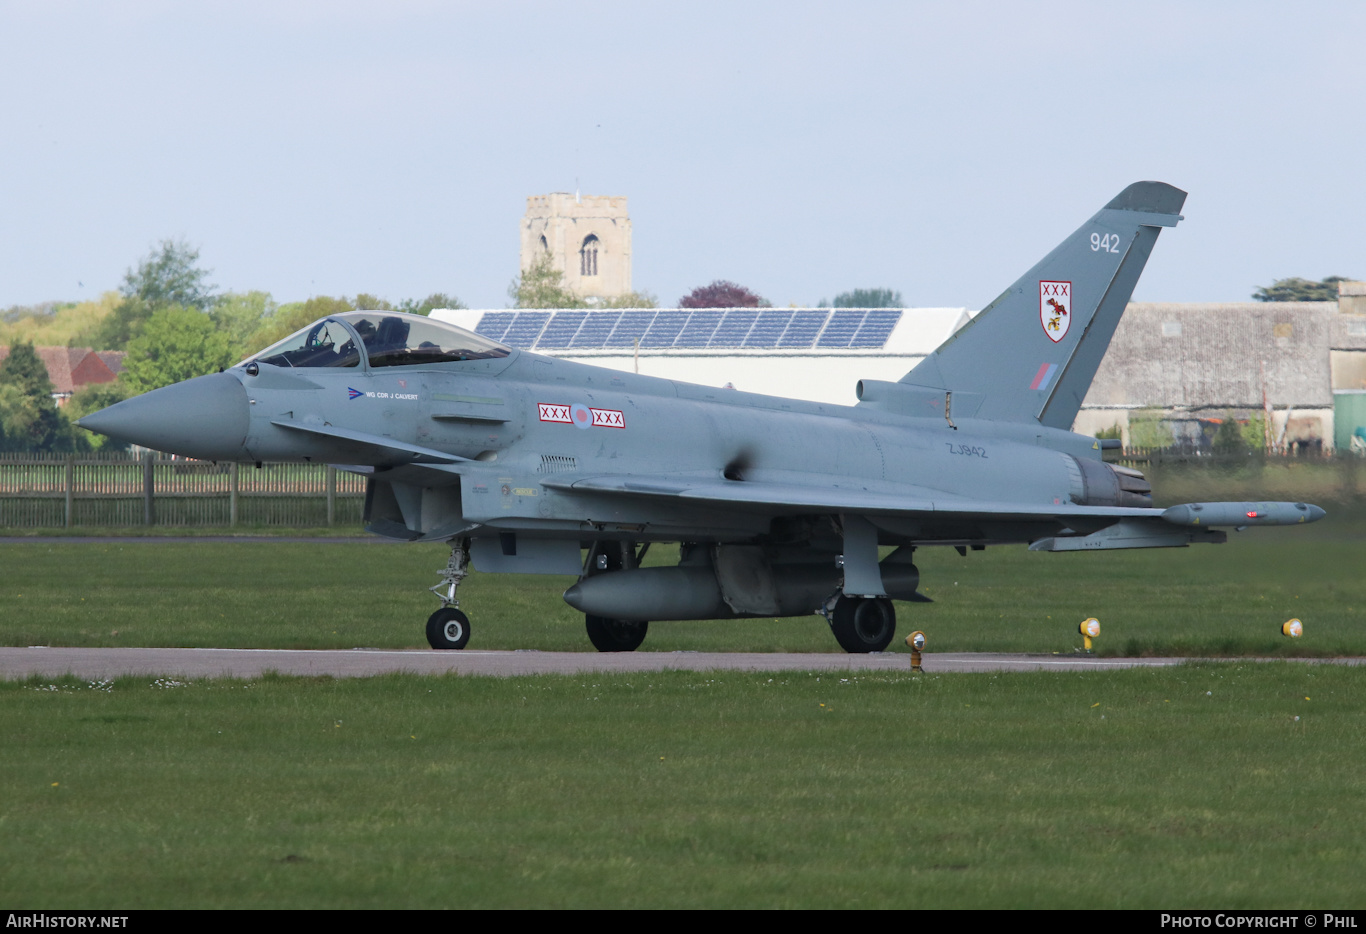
(204, 417)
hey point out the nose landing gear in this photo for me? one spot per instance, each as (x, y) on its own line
(448, 628)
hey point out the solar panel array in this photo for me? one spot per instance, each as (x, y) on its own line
(681, 329)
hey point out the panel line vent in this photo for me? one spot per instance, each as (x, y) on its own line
(557, 463)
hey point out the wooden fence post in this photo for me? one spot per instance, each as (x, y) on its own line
(331, 494)
(149, 516)
(232, 494)
(70, 484)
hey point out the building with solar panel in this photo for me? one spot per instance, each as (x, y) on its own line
(818, 354)
(1182, 367)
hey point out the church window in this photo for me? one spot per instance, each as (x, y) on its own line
(588, 256)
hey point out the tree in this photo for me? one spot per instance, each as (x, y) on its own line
(1228, 438)
(867, 298)
(542, 286)
(424, 306)
(175, 344)
(121, 325)
(1296, 289)
(238, 315)
(29, 419)
(1254, 431)
(632, 300)
(70, 325)
(41, 310)
(1147, 429)
(367, 302)
(24, 369)
(169, 275)
(722, 294)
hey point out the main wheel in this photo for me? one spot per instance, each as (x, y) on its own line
(615, 635)
(863, 624)
(448, 628)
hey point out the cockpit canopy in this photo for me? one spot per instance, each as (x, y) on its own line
(386, 338)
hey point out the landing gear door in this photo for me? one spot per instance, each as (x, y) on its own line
(513, 553)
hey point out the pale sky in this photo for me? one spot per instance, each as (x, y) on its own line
(801, 149)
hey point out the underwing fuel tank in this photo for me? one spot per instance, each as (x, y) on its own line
(694, 592)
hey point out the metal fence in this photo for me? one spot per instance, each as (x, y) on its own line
(1189, 455)
(121, 489)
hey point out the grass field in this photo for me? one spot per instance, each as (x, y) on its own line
(1205, 600)
(1181, 787)
(1229, 786)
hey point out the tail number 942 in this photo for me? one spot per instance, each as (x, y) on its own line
(1104, 243)
(966, 449)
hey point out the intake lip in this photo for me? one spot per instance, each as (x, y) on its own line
(205, 417)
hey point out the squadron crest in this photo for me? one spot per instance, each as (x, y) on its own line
(1055, 308)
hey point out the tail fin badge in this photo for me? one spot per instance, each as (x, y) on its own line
(1055, 308)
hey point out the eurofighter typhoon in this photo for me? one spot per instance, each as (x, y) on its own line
(531, 465)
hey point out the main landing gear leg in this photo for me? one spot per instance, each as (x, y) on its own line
(860, 614)
(614, 635)
(448, 628)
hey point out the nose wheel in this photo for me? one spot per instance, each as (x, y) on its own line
(448, 628)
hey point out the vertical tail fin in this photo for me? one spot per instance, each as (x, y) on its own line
(1032, 353)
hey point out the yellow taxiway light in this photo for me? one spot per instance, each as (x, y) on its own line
(1292, 628)
(916, 641)
(1089, 629)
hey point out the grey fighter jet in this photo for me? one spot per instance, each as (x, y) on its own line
(527, 464)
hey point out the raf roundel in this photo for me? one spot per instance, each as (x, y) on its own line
(580, 415)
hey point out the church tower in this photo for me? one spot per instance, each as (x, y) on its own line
(588, 238)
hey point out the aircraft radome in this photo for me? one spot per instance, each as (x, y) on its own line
(521, 461)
